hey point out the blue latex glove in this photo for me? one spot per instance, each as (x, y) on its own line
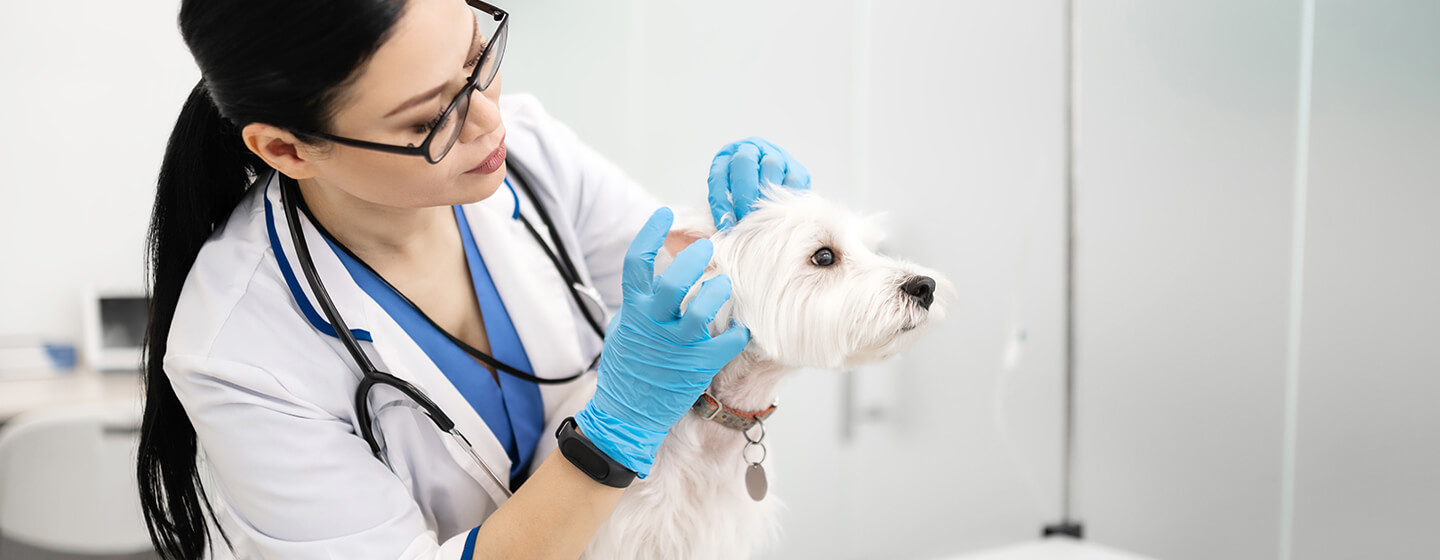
(740, 168)
(656, 361)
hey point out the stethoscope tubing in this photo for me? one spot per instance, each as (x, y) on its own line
(371, 376)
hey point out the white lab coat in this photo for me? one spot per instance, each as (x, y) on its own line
(271, 397)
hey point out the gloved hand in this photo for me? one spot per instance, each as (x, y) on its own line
(655, 361)
(740, 168)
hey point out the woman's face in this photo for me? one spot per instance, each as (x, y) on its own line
(408, 82)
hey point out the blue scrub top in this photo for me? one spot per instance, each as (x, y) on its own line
(511, 407)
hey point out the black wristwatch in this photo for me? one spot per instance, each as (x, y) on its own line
(589, 459)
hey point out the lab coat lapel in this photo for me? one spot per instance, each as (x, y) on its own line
(343, 291)
(393, 351)
(407, 361)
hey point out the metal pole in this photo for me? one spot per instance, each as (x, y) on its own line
(1069, 483)
(1068, 524)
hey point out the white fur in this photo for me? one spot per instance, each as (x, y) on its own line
(694, 505)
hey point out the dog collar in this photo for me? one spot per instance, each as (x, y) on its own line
(710, 408)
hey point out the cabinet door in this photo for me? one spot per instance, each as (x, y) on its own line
(1365, 454)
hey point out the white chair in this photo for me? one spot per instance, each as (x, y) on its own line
(67, 479)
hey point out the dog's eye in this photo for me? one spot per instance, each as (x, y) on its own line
(823, 257)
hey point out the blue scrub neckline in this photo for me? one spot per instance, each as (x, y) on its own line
(510, 406)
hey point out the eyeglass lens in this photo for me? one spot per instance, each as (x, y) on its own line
(449, 129)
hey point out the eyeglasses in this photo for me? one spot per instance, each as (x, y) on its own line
(446, 129)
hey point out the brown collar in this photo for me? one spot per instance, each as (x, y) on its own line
(710, 408)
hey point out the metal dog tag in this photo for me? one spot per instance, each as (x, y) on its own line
(755, 482)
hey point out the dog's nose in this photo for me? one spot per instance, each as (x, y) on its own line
(921, 289)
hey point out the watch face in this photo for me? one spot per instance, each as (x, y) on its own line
(591, 461)
(585, 458)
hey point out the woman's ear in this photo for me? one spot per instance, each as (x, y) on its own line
(280, 149)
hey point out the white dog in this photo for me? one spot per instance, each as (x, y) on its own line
(807, 282)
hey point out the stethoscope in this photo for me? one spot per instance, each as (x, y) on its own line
(585, 297)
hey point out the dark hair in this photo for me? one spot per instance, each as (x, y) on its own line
(278, 62)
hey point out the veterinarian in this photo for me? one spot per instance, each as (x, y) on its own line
(380, 291)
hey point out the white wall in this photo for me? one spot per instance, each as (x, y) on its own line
(90, 90)
(948, 116)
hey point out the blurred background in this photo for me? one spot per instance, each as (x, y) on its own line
(1257, 334)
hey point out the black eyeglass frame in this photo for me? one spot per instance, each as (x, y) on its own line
(471, 85)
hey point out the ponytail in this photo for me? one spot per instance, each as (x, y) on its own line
(261, 62)
(203, 176)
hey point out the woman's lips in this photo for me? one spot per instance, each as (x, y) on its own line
(493, 161)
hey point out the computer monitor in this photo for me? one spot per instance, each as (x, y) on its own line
(115, 322)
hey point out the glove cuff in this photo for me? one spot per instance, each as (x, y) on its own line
(630, 446)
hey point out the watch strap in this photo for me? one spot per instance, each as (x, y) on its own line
(582, 453)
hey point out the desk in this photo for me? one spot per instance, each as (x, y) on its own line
(80, 386)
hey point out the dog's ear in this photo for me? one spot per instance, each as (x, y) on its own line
(689, 226)
(678, 240)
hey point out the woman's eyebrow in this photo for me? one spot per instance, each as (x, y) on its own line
(474, 33)
(413, 101)
(437, 90)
